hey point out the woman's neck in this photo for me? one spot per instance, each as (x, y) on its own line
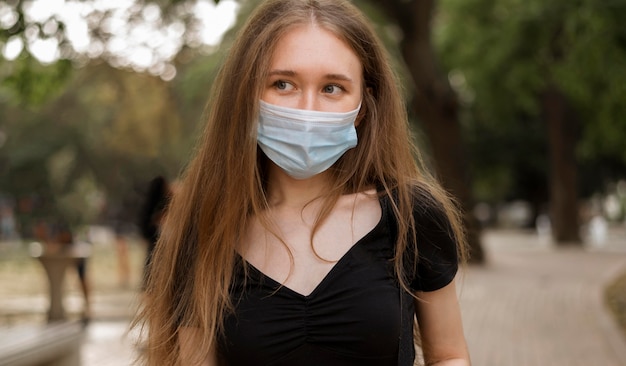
(285, 192)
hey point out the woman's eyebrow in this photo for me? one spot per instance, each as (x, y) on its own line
(338, 77)
(282, 73)
(292, 73)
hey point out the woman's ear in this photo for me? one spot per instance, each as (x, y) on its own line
(363, 110)
(360, 116)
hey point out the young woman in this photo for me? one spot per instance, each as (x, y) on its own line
(304, 232)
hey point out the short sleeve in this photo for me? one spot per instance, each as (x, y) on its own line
(437, 262)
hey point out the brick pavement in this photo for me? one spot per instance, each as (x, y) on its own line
(537, 305)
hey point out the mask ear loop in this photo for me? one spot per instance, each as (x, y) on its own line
(363, 106)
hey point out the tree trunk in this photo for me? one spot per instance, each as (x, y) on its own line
(562, 131)
(436, 106)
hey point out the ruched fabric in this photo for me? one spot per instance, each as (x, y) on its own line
(357, 315)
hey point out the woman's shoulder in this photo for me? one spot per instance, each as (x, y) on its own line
(430, 213)
(435, 240)
(423, 197)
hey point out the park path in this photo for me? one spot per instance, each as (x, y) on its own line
(534, 304)
(531, 305)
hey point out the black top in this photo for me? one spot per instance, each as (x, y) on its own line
(357, 315)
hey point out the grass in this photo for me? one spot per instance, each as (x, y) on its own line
(615, 296)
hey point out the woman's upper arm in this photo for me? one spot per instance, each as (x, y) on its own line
(188, 348)
(441, 328)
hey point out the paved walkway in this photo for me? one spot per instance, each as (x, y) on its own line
(536, 305)
(533, 305)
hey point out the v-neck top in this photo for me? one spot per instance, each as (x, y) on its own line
(357, 315)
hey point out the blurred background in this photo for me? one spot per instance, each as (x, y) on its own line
(518, 106)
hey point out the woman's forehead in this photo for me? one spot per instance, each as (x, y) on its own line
(310, 47)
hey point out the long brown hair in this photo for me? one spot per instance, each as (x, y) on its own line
(225, 184)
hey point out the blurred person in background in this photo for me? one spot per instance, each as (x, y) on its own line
(121, 251)
(7, 222)
(304, 232)
(122, 216)
(58, 238)
(151, 215)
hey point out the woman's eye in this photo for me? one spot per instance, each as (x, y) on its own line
(282, 85)
(332, 89)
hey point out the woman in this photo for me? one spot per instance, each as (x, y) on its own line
(304, 233)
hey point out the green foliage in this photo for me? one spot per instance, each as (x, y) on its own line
(81, 143)
(25, 79)
(78, 137)
(507, 51)
(31, 83)
(92, 149)
(28, 82)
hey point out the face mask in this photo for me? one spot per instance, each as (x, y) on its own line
(305, 143)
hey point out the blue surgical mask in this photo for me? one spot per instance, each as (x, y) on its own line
(302, 142)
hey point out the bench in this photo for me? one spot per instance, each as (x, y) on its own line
(53, 344)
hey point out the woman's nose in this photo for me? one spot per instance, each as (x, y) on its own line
(309, 101)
